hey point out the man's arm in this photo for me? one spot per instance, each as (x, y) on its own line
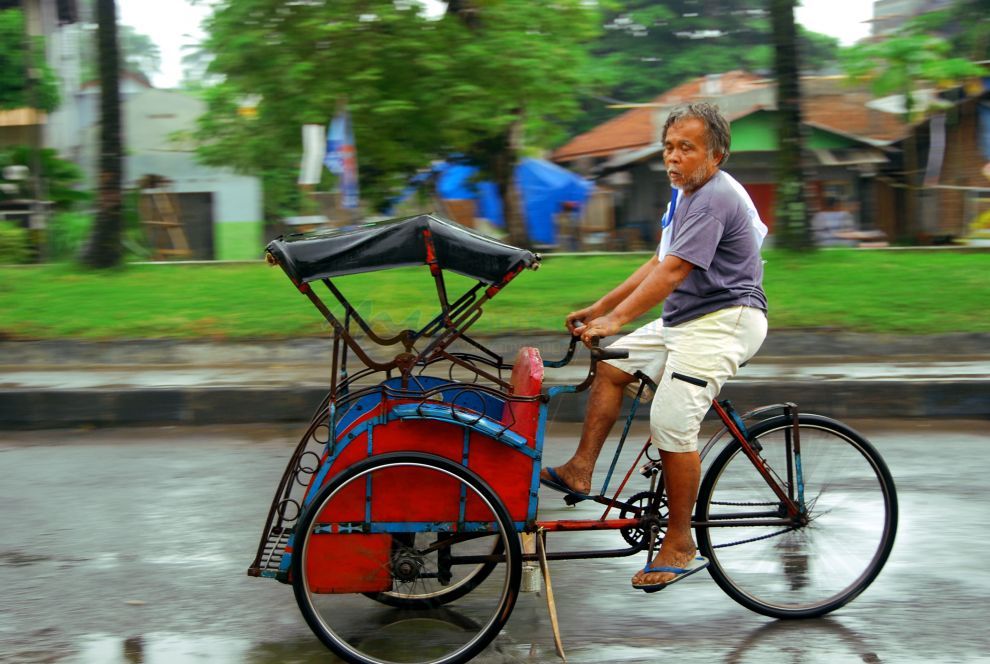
(611, 299)
(659, 282)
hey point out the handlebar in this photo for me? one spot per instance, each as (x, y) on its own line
(607, 353)
(597, 354)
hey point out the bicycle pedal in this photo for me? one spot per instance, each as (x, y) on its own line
(652, 469)
(573, 500)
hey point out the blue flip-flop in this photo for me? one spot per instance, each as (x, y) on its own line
(699, 563)
(557, 484)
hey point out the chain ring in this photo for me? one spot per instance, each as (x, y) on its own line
(639, 536)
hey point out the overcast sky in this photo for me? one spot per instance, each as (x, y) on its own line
(173, 23)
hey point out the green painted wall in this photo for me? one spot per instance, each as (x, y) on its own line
(757, 132)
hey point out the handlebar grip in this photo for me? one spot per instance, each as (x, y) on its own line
(609, 353)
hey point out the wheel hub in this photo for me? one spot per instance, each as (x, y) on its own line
(406, 565)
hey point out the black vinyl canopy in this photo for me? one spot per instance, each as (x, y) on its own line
(395, 243)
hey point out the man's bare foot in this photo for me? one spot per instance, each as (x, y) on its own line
(574, 480)
(666, 557)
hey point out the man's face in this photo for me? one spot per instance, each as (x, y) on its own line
(685, 154)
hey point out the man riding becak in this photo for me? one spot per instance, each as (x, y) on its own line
(708, 274)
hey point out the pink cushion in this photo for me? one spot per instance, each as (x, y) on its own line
(523, 417)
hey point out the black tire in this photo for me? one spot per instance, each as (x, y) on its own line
(359, 628)
(814, 568)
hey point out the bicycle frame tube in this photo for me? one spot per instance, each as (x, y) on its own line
(793, 508)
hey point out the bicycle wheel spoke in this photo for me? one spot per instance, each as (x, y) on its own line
(820, 563)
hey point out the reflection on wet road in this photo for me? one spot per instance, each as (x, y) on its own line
(130, 545)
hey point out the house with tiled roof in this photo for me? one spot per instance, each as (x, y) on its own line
(847, 145)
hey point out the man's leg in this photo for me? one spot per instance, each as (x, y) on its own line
(704, 354)
(681, 472)
(604, 402)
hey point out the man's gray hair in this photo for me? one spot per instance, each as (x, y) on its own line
(717, 131)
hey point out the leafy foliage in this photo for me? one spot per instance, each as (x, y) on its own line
(911, 56)
(965, 23)
(417, 88)
(16, 62)
(14, 244)
(60, 176)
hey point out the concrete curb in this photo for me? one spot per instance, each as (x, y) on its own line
(56, 408)
(281, 385)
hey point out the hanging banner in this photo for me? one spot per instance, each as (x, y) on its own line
(314, 152)
(341, 158)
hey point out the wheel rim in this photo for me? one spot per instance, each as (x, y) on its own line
(813, 568)
(360, 629)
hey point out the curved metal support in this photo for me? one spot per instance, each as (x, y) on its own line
(480, 423)
(564, 361)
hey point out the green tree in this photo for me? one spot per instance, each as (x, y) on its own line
(791, 213)
(104, 247)
(26, 80)
(965, 23)
(60, 176)
(910, 58)
(517, 64)
(648, 47)
(417, 88)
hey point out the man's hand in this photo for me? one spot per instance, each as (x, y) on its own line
(604, 326)
(575, 320)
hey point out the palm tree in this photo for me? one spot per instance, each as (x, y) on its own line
(792, 230)
(104, 248)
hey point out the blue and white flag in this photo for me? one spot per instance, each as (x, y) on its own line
(341, 158)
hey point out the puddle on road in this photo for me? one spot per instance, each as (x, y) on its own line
(164, 649)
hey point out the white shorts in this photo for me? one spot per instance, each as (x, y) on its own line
(690, 363)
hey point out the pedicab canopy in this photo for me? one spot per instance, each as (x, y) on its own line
(382, 245)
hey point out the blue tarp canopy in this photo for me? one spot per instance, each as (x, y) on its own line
(544, 187)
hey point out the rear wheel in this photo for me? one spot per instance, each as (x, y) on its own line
(811, 566)
(366, 550)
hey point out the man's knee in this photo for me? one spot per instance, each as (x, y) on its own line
(613, 375)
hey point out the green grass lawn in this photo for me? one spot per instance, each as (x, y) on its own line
(238, 240)
(909, 292)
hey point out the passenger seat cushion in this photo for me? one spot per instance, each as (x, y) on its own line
(527, 380)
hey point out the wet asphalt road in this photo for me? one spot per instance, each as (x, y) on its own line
(130, 545)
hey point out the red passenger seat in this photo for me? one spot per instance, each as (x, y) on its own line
(523, 417)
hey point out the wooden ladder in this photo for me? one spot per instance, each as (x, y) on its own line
(163, 224)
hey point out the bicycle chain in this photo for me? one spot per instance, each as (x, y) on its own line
(752, 539)
(722, 502)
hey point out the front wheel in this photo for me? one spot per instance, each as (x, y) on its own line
(366, 552)
(807, 567)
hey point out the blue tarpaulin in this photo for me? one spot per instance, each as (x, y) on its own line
(544, 188)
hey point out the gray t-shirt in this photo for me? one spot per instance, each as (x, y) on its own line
(712, 231)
